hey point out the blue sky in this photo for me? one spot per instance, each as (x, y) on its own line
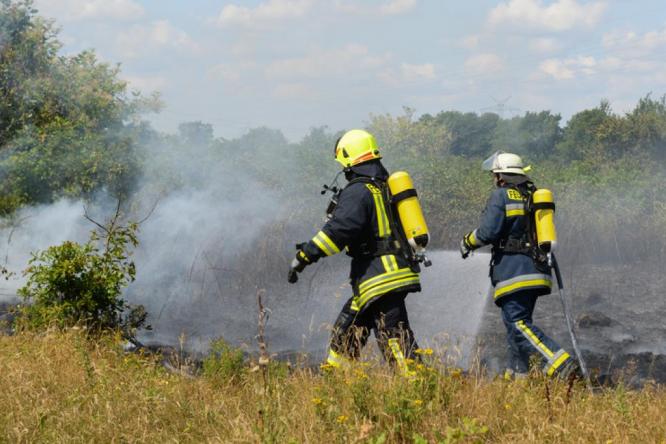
(295, 64)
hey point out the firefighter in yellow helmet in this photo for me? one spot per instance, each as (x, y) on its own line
(381, 276)
(519, 274)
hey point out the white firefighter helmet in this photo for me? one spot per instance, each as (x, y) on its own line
(501, 162)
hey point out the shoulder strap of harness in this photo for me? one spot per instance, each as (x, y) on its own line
(525, 244)
(530, 244)
(396, 243)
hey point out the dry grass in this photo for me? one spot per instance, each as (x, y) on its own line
(60, 387)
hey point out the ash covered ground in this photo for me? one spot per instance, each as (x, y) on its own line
(619, 313)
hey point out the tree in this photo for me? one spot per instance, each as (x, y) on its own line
(539, 132)
(197, 133)
(471, 134)
(579, 138)
(68, 125)
(647, 126)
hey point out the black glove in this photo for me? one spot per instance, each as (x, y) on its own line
(297, 265)
(465, 250)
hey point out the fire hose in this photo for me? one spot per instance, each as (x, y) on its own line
(567, 316)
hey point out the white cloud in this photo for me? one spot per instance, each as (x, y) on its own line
(413, 73)
(390, 7)
(395, 7)
(160, 34)
(77, 10)
(484, 64)
(558, 16)
(544, 45)
(349, 60)
(270, 11)
(633, 44)
(557, 69)
(567, 69)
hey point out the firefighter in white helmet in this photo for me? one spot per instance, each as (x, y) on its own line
(518, 273)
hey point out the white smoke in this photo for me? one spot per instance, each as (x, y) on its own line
(33, 229)
(207, 214)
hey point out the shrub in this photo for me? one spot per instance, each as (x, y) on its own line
(81, 284)
(224, 362)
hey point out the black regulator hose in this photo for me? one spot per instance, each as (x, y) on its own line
(567, 316)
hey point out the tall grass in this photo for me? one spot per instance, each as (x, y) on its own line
(62, 387)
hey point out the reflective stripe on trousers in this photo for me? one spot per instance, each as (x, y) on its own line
(399, 356)
(336, 360)
(554, 359)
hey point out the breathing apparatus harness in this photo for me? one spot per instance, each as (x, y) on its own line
(527, 243)
(395, 243)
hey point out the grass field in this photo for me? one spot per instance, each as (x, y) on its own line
(62, 387)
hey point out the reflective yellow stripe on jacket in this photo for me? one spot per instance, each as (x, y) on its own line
(522, 282)
(383, 226)
(390, 263)
(384, 283)
(515, 210)
(394, 277)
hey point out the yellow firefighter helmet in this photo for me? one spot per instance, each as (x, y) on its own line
(356, 146)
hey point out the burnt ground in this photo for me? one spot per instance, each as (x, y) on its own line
(618, 312)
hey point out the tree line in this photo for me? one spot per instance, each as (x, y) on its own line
(71, 127)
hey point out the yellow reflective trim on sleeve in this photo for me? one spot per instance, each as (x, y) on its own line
(323, 236)
(325, 244)
(471, 239)
(557, 363)
(321, 246)
(534, 340)
(523, 284)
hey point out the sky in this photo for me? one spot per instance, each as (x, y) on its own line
(298, 64)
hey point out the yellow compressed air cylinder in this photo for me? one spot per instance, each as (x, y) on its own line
(409, 209)
(544, 219)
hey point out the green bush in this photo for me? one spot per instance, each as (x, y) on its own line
(224, 363)
(81, 284)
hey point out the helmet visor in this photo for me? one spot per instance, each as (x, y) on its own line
(491, 163)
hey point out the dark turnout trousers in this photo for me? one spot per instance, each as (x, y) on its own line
(527, 340)
(387, 317)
